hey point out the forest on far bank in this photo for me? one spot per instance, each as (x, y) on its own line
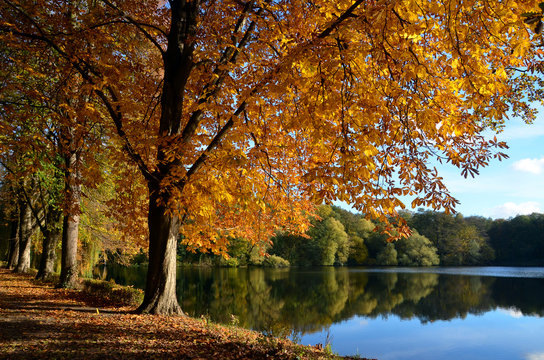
(341, 237)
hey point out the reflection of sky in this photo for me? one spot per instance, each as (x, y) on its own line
(496, 271)
(535, 356)
(495, 335)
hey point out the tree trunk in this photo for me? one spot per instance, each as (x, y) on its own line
(52, 235)
(25, 232)
(69, 270)
(13, 256)
(160, 292)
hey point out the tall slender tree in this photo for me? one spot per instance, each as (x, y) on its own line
(25, 232)
(13, 250)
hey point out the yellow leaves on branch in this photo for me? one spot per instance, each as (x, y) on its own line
(329, 100)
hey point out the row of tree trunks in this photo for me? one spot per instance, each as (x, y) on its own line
(25, 215)
(21, 231)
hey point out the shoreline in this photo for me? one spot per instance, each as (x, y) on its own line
(39, 321)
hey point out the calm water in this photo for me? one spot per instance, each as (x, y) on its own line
(396, 313)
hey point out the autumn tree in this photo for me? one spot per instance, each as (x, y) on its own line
(50, 129)
(264, 105)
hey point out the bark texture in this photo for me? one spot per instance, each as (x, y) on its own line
(13, 255)
(69, 271)
(51, 237)
(160, 292)
(25, 232)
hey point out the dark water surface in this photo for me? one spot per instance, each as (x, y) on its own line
(393, 313)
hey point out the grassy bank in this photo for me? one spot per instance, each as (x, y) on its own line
(39, 321)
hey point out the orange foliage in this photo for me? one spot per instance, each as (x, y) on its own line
(287, 104)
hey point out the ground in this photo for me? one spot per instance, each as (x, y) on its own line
(39, 321)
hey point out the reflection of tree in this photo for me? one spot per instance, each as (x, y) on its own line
(455, 297)
(314, 299)
(525, 295)
(419, 286)
(386, 292)
(286, 301)
(279, 301)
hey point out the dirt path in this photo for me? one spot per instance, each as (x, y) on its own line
(38, 321)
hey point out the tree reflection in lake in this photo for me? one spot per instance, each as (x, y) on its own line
(284, 301)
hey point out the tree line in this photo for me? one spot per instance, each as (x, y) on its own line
(340, 237)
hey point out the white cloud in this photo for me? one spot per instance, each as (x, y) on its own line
(515, 313)
(511, 209)
(521, 132)
(534, 166)
(535, 356)
(363, 322)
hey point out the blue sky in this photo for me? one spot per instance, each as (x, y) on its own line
(509, 187)
(503, 189)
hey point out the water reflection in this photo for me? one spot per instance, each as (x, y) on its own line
(286, 301)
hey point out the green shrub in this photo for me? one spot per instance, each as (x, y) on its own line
(230, 262)
(275, 261)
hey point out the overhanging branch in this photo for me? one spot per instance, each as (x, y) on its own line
(288, 59)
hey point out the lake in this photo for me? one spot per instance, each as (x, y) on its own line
(385, 313)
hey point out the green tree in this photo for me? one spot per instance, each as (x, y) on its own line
(331, 242)
(519, 241)
(388, 256)
(358, 252)
(458, 241)
(416, 250)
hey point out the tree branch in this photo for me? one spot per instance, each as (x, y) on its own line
(213, 144)
(87, 70)
(268, 76)
(229, 55)
(139, 26)
(335, 24)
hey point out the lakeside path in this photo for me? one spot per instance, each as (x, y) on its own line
(38, 321)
